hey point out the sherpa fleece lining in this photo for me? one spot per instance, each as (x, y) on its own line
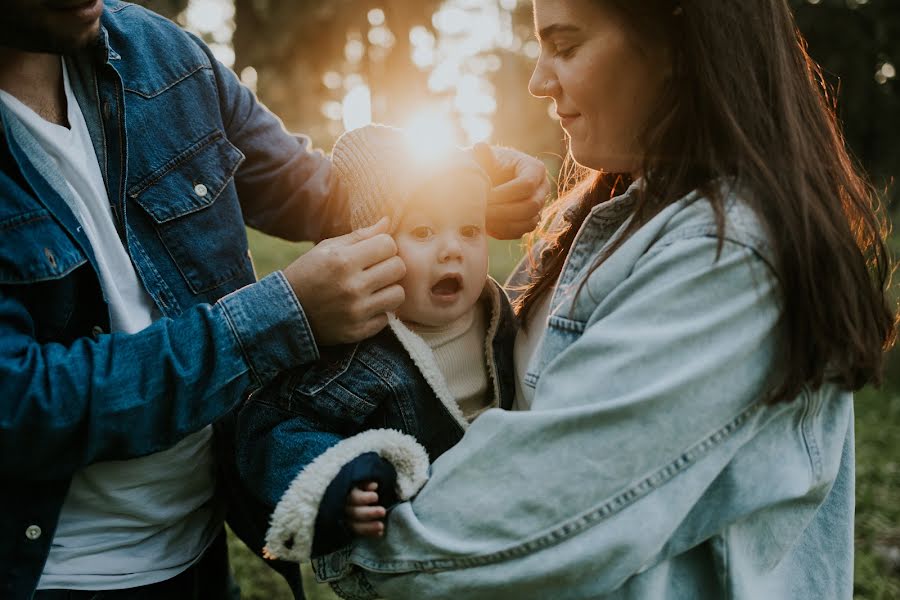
(294, 519)
(424, 359)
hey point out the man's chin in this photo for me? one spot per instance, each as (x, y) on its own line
(69, 42)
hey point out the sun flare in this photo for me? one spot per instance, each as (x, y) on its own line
(430, 133)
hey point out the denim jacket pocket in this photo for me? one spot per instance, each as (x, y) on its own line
(561, 332)
(333, 390)
(34, 249)
(193, 204)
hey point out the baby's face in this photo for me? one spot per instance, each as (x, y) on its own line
(441, 239)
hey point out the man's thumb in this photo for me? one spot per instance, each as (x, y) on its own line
(382, 226)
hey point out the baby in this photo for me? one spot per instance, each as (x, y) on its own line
(334, 444)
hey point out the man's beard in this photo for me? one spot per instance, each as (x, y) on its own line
(33, 39)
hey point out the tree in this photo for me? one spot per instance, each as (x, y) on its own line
(857, 42)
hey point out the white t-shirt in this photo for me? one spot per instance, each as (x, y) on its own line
(528, 340)
(134, 522)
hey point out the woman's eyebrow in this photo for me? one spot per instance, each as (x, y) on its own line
(556, 28)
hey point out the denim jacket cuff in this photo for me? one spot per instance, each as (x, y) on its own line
(270, 326)
(294, 522)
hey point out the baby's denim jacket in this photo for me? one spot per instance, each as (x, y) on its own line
(377, 410)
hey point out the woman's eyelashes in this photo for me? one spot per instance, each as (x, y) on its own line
(564, 50)
(558, 48)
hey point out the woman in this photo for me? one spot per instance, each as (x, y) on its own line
(699, 305)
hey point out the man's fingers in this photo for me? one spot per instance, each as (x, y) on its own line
(371, 251)
(382, 226)
(385, 300)
(384, 274)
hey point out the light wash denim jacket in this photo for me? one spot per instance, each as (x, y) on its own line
(649, 466)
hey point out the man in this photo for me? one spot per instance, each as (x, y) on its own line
(129, 316)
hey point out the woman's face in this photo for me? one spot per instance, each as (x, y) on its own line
(603, 80)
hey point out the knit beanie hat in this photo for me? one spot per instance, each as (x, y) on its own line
(381, 170)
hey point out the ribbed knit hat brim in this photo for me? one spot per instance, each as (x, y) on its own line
(380, 170)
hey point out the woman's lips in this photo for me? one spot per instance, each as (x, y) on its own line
(566, 119)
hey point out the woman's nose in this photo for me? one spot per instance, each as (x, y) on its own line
(543, 83)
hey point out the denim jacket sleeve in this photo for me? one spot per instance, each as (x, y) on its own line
(631, 423)
(302, 442)
(78, 404)
(287, 188)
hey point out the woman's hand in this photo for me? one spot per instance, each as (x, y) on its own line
(520, 190)
(364, 515)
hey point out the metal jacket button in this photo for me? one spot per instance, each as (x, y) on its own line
(200, 190)
(33, 532)
(51, 259)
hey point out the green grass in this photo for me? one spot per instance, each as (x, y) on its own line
(877, 574)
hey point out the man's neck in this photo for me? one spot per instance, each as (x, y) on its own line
(36, 80)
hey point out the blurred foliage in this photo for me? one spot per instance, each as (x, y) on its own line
(293, 43)
(852, 40)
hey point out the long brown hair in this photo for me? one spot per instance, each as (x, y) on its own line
(746, 103)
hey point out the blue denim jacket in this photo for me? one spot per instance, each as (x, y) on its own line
(650, 465)
(381, 383)
(164, 117)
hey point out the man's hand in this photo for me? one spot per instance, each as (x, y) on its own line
(346, 285)
(520, 190)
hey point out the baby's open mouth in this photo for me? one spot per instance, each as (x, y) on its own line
(447, 286)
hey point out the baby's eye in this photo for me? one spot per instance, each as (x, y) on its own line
(470, 231)
(421, 232)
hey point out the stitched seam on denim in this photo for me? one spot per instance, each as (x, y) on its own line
(564, 324)
(53, 277)
(317, 386)
(206, 203)
(584, 521)
(166, 298)
(168, 86)
(186, 154)
(309, 340)
(362, 582)
(746, 238)
(809, 435)
(24, 219)
(226, 309)
(123, 160)
(96, 77)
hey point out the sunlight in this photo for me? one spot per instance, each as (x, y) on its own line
(430, 133)
(357, 107)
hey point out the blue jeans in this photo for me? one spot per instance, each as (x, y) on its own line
(208, 579)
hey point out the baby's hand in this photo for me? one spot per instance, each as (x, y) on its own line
(364, 515)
